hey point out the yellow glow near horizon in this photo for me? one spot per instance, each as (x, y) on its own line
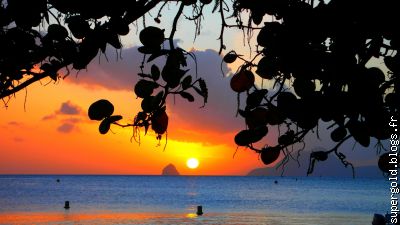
(192, 163)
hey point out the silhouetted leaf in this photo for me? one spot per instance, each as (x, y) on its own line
(268, 67)
(147, 104)
(186, 82)
(155, 72)
(269, 34)
(57, 32)
(243, 113)
(114, 41)
(144, 75)
(206, 2)
(320, 155)
(187, 96)
(258, 133)
(157, 54)
(119, 25)
(359, 132)
(230, 57)
(257, 15)
(104, 126)
(392, 63)
(338, 134)
(151, 36)
(172, 75)
(270, 154)
(243, 138)
(287, 138)
(100, 109)
(259, 116)
(204, 90)
(159, 122)
(87, 51)
(303, 87)
(189, 2)
(242, 81)
(159, 97)
(152, 103)
(149, 49)
(254, 99)
(286, 101)
(144, 88)
(114, 118)
(78, 26)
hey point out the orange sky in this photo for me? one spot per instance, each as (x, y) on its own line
(55, 136)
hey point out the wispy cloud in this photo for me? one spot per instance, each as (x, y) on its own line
(18, 139)
(66, 108)
(15, 123)
(69, 116)
(49, 117)
(66, 128)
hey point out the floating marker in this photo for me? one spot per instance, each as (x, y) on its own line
(199, 210)
(66, 206)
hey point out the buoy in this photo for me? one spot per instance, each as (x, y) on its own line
(58, 180)
(378, 219)
(276, 182)
(199, 210)
(66, 206)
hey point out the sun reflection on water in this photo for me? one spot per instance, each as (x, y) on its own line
(191, 215)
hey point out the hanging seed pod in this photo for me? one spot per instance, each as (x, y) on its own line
(270, 154)
(242, 81)
(159, 122)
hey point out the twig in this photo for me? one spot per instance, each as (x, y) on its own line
(174, 24)
(223, 25)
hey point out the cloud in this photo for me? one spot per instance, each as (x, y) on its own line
(72, 120)
(12, 124)
(68, 108)
(18, 139)
(49, 117)
(69, 115)
(118, 72)
(69, 125)
(66, 128)
(217, 116)
(15, 123)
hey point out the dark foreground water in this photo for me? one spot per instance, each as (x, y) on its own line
(173, 200)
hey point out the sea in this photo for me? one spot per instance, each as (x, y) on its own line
(93, 199)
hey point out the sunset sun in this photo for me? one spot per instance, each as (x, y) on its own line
(192, 163)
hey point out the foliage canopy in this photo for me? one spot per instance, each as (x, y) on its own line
(315, 53)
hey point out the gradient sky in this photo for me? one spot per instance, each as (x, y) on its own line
(50, 132)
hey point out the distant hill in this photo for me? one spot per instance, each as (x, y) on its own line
(362, 172)
(170, 170)
(332, 167)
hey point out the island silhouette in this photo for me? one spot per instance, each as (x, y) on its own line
(170, 170)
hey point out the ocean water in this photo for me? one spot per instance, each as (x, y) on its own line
(173, 200)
